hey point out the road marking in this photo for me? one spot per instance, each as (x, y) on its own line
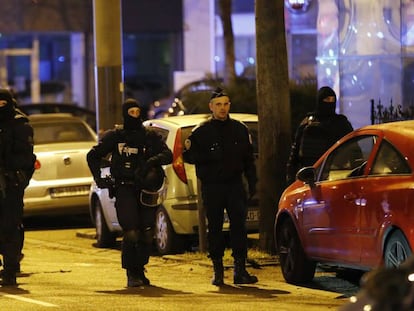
(37, 302)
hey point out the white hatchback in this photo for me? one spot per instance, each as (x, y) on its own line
(177, 220)
(61, 182)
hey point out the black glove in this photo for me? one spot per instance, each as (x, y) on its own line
(153, 161)
(104, 183)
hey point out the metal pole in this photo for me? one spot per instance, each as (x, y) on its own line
(109, 84)
(34, 72)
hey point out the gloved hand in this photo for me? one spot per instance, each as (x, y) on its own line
(104, 183)
(153, 161)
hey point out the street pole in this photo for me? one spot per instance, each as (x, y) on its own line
(109, 84)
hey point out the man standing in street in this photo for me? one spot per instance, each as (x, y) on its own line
(16, 168)
(222, 152)
(136, 158)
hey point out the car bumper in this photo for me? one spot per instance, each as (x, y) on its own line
(57, 198)
(184, 216)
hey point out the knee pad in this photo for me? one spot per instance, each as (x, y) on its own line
(131, 236)
(148, 235)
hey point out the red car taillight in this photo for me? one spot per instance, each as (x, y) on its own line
(178, 161)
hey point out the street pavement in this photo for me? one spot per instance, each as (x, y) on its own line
(63, 271)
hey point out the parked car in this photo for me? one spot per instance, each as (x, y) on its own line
(177, 217)
(353, 208)
(87, 115)
(192, 98)
(62, 180)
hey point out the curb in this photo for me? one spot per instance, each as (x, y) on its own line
(86, 234)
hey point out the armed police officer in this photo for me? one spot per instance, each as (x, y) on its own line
(136, 158)
(317, 132)
(222, 152)
(16, 168)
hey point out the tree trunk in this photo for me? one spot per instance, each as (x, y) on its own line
(228, 36)
(273, 110)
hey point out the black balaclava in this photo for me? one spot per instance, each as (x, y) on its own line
(325, 108)
(131, 123)
(7, 112)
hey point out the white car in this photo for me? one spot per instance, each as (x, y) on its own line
(177, 217)
(62, 179)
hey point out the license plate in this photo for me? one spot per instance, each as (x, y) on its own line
(69, 191)
(251, 216)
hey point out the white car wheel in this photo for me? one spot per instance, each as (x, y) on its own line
(165, 237)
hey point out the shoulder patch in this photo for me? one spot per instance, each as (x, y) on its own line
(187, 144)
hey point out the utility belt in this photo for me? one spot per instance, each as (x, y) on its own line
(126, 182)
(11, 178)
(17, 176)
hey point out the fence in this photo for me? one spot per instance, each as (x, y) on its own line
(383, 114)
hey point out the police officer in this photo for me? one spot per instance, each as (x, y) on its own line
(135, 151)
(16, 168)
(307, 149)
(222, 152)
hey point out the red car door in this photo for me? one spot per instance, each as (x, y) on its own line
(387, 201)
(332, 208)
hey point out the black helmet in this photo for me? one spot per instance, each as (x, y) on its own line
(153, 187)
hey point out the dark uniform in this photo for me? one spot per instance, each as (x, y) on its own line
(222, 152)
(306, 151)
(135, 151)
(16, 168)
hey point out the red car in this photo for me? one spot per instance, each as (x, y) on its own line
(354, 208)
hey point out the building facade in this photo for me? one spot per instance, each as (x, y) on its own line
(361, 48)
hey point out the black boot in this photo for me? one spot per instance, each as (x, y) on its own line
(8, 279)
(133, 279)
(241, 276)
(144, 279)
(218, 272)
(137, 278)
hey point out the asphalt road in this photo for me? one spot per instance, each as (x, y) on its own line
(62, 270)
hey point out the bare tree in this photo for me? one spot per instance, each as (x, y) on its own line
(228, 36)
(273, 110)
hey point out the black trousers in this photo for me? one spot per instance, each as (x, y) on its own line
(11, 214)
(232, 198)
(137, 222)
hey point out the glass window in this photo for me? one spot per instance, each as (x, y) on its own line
(349, 159)
(389, 161)
(50, 132)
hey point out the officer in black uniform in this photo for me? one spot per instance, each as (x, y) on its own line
(222, 152)
(305, 151)
(136, 153)
(16, 168)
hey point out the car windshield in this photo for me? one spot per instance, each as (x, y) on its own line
(60, 132)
